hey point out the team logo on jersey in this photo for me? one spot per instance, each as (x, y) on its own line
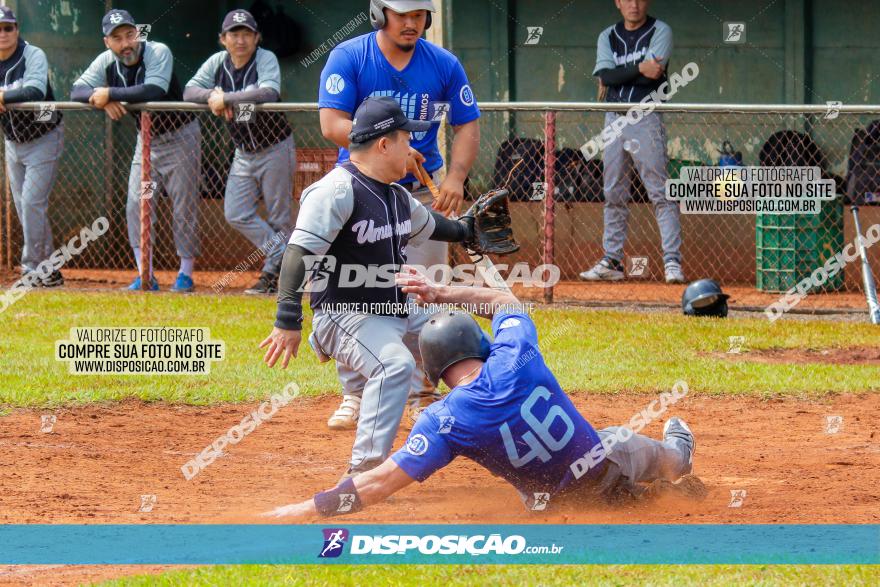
(508, 322)
(335, 84)
(466, 95)
(446, 424)
(417, 445)
(334, 542)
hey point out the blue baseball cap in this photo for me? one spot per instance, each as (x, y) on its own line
(379, 116)
(239, 18)
(115, 19)
(6, 15)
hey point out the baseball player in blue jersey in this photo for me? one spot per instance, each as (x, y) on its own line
(631, 61)
(427, 81)
(507, 412)
(33, 145)
(264, 156)
(136, 71)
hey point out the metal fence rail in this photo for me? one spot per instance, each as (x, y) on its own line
(564, 226)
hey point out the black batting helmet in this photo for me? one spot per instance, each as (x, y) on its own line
(704, 298)
(450, 337)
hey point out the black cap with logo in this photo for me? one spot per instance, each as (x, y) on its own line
(6, 15)
(239, 18)
(379, 116)
(115, 19)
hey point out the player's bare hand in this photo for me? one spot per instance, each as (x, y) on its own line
(216, 103)
(451, 197)
(228, 113)
(413, 160)
(100, 97)
(282, 344)
(115, 110)
(651, 68)
(412, 281)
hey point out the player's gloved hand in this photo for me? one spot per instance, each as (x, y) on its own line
(490, 225)
(282, 344)
(411, 281)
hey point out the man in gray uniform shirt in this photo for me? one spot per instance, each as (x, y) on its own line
(631, 60)
(134, 71)
(33, 145)
(264, 153)
(356, 218)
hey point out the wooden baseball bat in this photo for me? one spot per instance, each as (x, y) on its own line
(867, 276)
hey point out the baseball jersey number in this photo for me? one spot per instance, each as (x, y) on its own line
(539, 427)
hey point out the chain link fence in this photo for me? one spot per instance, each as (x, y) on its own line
(191, 152)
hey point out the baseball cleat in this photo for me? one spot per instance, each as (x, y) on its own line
(346, 415)
(673, 273)
(136, 284)
(677, 428)
(54, 279)
(266, 284)
(604, 270)
(183, 283)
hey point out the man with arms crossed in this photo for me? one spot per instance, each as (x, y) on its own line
(507, 412)
(133, 71)
(396, 61)
(631, 62)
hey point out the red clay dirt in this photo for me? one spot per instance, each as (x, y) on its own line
(628, 292)
(844, 356)
(98, 461)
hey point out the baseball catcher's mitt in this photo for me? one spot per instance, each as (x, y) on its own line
(489, 219)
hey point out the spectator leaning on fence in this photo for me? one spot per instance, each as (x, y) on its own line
(631, 62)
(136, 71)
(231, 82)
(425, 79)
(33, 143)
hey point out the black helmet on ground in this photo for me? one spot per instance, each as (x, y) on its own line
(704, 298)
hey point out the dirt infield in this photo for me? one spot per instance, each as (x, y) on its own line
(629, 292)
(99, 460)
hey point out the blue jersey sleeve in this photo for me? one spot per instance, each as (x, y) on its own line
(426, 450)
(338, 88)
(463, 104)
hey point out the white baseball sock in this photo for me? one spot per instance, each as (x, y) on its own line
(186, 265)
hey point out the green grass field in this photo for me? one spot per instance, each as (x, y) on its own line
(600, 352)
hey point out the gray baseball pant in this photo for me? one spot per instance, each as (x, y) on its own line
(425, 254)
(642, 459)
(176, 164)
(647, 153)
(267, 173)
(32, 168)
(379, 349)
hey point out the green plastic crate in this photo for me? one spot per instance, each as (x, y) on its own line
(790, 247)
